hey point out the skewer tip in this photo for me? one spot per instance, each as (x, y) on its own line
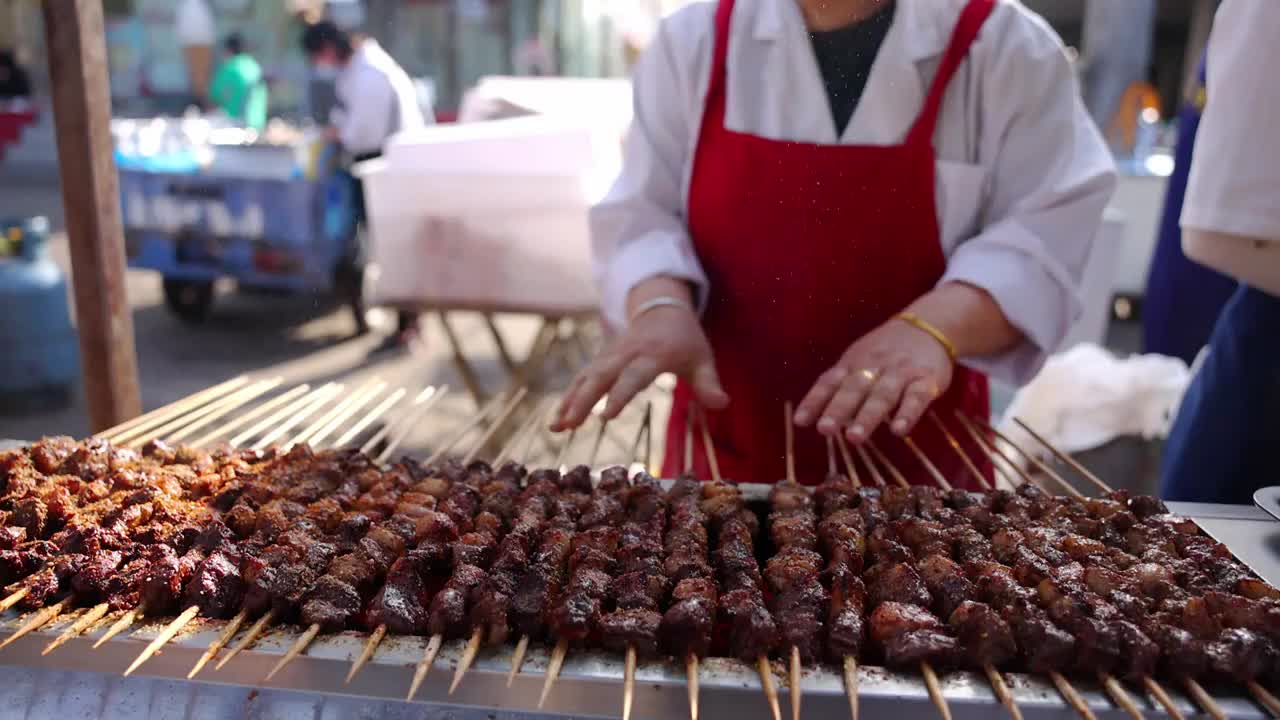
(298, 646)
(628, 682)
(795, 683)
(1001, 691)
(77, 628)
(851, 684)
(1162, 696)
(468, 656)
(691, 671)
(424, 665)
(254, 631)
(553, 670)
(369, 647)
(1119, 695)
(766, 681)
(165, 636)
(935, 690)
(223, 638)
(517, 659)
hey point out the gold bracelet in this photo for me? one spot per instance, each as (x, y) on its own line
(924, 325)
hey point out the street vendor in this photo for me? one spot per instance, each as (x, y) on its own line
(376, 99)
(861, 207)
(1221, 447)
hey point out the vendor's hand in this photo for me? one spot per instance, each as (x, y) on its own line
(895, 371)
(664, 339)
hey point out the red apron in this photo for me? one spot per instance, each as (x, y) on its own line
(807, 248)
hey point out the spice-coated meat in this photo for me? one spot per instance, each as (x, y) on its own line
(898, 583)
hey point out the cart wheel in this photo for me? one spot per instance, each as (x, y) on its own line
(189, 300)
(349, 283)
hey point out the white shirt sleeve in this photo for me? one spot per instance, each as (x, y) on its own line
(1234, 186)
(1050, 177)
(638, 231)
(368, 100)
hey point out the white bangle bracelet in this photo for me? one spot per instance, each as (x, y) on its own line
(657, 302)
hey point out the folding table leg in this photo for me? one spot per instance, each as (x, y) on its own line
(462, 365)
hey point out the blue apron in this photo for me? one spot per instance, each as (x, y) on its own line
(1183, 298)
(1223, 443)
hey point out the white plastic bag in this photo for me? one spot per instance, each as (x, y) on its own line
(1086, 397)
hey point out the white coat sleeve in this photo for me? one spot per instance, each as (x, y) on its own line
(365, 121)
(1050, 176)
(639, 230)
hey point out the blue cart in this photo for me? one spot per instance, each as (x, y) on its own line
(195, 227)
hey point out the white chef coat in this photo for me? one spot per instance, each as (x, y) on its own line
(1234, 185)
(378, 100)
(193, 24)
(1023, 174)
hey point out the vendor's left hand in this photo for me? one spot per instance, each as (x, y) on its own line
(891, 374)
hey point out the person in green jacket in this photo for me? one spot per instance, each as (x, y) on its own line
(238, 87)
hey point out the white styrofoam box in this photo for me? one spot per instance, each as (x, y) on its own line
(591, 101)
(540, 146)
(530, 261)
(391, 191)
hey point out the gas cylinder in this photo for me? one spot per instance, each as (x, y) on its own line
(39, 354)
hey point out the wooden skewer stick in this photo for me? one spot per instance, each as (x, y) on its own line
(424, 665)
(964, 456)
(1033, 460)
(77, 628)
(791, 441)
(849, 467)
(688, 437)
(876, 477)
(553, 670)
(1264, 698)
(354, 404)
(851, 684)
(1162, 697)
(1204, 699)
(1001, 690)
(1072, 696)
(1064, 457)
(928, 465)
(38, 619)
(628, 682)
(13, 598)
(1119, 695)
(128, 429)
(766, 682)
(898, 477)
(165, 635)
(221, 409)
(370, 645)
(224, 637)
(289, 396)
(120, 625)
(334, 390)
(333, 412)
(691, 672)
(255, 631)
(468, 656)
(298, 646)
(935, 690)
(183, 425)
(378, 410)
(831, 456)
(497, 424)
(517, 658)
(998, 460)
(795, 683)
(422, 405)
(461, 432)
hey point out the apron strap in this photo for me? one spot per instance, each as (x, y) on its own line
(713, 108)
(971, 20)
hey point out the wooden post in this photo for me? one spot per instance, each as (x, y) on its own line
(77, 50)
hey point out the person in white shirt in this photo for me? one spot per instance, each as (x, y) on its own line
(1220, 448)
(861, 206)
(197, 34)
(376, 99)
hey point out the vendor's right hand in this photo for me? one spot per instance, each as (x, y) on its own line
(664, 339)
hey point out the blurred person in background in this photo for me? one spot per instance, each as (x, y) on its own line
(1222, 445)
(864, 207)
(376, 99)
(1183, 297)
(1115, 52)
(197, 36)
(1140, 103)
(15, 84)
(238, 87)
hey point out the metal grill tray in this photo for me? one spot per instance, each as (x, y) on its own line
(590, 683)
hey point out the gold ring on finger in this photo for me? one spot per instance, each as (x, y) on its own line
(868, 375)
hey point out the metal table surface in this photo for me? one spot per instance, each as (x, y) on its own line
(76, 682)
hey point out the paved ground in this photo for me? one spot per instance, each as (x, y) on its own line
(302, 339)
